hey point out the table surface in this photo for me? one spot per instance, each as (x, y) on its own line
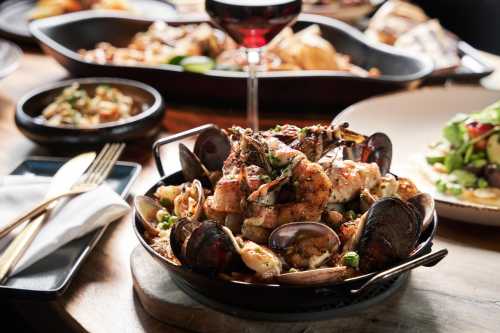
(462, 293)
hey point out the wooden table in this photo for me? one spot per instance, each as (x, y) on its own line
(461, 294)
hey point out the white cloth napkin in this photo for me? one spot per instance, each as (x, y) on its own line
(75, 218)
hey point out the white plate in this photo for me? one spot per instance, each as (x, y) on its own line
(413, 120)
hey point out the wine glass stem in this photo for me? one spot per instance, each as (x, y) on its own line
(253, 57)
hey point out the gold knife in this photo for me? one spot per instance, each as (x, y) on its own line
(62, 181)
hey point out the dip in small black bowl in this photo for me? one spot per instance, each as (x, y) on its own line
(144, 124)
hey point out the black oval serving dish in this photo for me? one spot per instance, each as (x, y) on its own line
(143, 125)
(285, 88)
(14, 21)
(264, 297)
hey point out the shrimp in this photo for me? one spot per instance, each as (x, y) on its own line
(349, 178)
(229, 193)
(307, 188)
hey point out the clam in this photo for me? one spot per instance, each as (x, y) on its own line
(146, 209)
(187, 206)
(387, 233)
(305, 246)
(317, 276)
(210, 151)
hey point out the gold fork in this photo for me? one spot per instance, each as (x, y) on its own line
(95, 175)
(85, 185)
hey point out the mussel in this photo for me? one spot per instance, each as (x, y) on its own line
(425, 206)
(388, 232)
(204, 246)
(211, 149)
(376, 148)
(379, 150)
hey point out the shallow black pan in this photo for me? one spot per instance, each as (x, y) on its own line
(143, 125)
(265, 297)
(14, 23)
(293, 88)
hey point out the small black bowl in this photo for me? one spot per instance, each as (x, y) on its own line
(268, 298)
(143, 125)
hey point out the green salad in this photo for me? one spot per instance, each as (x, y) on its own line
(469, 156)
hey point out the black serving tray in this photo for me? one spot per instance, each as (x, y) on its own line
(300, 90)
(472, 68)
(14, 22)
(51, 276)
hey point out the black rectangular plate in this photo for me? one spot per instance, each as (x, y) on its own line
(51, 276)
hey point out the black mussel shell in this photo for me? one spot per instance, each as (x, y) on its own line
(424, 205)
(210, 250)
(212, 148)
(379, 150)
(391, 231)
(192, 168)
(181, 231)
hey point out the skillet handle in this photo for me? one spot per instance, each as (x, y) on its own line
(173, 138)
(428, 259)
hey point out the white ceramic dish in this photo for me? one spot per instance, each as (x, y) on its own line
(413, 120)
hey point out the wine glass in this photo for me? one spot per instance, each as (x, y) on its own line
(253, 24)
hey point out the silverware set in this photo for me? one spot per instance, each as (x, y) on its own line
(79, 175)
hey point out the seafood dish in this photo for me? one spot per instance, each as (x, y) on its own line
(290, 206)
(465, 163)
(48, 8)
(200, 48)
(74, 107)
(406, 26)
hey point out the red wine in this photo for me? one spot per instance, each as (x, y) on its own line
(253, 23)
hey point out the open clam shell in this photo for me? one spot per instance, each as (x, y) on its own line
(147, 208)
(316, 276)
(291, 239)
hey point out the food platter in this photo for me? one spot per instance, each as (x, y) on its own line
(311, 88)
(14, 23)
(347, 13)
(284, 294)
(416, 120)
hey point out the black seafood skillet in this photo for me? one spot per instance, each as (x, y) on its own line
(275, 297)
